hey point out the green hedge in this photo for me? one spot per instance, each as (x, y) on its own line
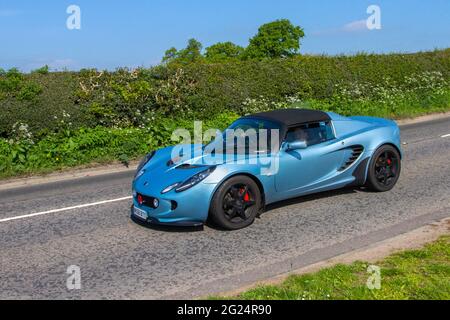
(51, 102)
(85, 145)
(54, 120)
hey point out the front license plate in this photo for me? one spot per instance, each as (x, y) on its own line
(140, 213)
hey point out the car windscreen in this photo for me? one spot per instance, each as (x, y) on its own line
(248, 136)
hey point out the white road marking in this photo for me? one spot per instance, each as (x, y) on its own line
(64, 209)
(446, 136)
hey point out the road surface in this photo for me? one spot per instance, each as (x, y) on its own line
(44, 229)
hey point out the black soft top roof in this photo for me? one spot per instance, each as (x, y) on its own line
(291, 117)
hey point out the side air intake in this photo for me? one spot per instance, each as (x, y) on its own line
(354, 156)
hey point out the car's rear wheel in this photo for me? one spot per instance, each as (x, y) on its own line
(236, 203)
(384, 169)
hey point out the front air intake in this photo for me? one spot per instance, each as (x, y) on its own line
(189, 166)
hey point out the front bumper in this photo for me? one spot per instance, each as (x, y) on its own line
(188, 208)
(155, 221)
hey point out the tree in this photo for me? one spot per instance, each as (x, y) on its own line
(170, 54)
(278, 39)
(192, 53)
(223, 51)
(43, 70)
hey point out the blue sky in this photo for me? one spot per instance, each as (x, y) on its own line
(137, 32)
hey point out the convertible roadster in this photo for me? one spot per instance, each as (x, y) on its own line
(295, 152)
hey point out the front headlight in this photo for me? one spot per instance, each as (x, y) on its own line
(144, 161)
(170, 188)
(196, 179)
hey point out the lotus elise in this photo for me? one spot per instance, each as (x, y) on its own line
(295, 152)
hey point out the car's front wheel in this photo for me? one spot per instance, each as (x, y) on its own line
(236, 203)
(384, 169)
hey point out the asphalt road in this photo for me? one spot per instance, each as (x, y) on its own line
(121, 259)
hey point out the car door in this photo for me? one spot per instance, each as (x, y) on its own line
(309, 168)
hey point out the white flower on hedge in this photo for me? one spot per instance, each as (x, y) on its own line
(21, 133)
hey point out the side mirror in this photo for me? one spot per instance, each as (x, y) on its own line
(296, 145)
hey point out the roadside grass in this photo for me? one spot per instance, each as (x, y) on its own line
(422, 274)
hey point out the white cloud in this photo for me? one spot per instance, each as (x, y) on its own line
(355, 26)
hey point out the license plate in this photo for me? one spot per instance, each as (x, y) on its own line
(140, 213)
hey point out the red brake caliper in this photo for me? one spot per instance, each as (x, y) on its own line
(246, 196)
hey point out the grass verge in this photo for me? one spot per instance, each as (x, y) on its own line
(422, 274)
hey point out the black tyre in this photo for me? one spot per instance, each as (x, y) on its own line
(236, 203)
(384, 169)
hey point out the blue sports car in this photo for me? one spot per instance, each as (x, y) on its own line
(262, 159)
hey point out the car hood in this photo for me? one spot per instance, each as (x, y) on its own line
(162, 171)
